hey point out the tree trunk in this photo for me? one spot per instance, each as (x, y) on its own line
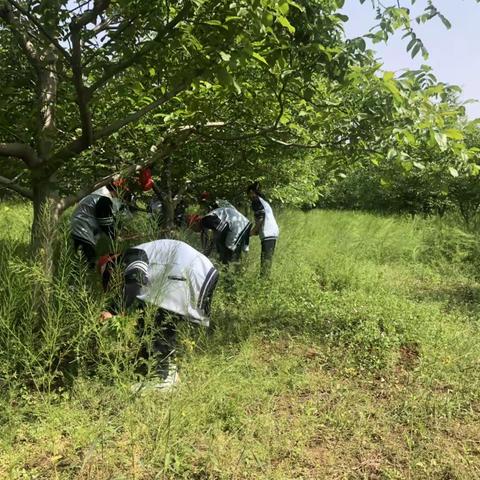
(167, 197)
(46, 215)
(169, 211)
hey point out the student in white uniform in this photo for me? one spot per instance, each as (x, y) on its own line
(174, 278)
(231, 232)
(265, 226)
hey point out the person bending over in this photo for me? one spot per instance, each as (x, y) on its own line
(95, 215)
(173, 278)
(231, 231)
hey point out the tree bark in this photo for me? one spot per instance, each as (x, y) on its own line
(167, 196)
(46, 216)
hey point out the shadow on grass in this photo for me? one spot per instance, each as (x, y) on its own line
(461, 296)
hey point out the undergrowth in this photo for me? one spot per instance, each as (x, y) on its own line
(359, 358)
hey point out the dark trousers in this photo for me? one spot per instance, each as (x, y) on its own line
(226, 255)
(87, 250)
(158, 341)
(268, 249)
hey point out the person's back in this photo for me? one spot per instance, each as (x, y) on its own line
(236, 222)
(269, 229)
(87, 222)
(178, 278)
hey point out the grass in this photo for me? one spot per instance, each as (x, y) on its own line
(360, 359)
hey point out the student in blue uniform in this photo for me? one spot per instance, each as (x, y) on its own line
(265, 226)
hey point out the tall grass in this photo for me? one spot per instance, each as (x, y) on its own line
(357, 359)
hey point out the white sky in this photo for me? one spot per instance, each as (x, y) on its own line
(454, 54)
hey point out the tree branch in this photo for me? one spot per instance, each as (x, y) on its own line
(133, 117)
(169, 147)
(99, 6)
(306, 145)
(10, 185)
(126, 63)
(82, 93)
(233, 138)
(25, 45)
(279, 96)
(41, 29)
(77, 146)
(20, 150)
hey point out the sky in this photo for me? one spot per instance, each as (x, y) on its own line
(454, 54)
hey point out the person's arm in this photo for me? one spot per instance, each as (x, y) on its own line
(104, 215)
(259, 214)
(209, 222)
(135, 278)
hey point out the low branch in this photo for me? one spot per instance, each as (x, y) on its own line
(20, 150)
(10, 185)
(125, 172)
(133, 117)
(235, 138)
(306, 145)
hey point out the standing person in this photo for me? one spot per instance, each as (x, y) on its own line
(265, 226)
(174, 278)
(231, 232)
(95, 214)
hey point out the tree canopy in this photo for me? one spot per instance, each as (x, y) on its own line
(213, 93)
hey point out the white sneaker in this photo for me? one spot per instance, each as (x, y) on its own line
(171, 380)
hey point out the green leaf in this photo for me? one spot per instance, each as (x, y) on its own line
(296, 5)
(416, 49)
(392, 153)
(225, 56)
(445, 21)
(453, 134)
(393, 89)
(260, 58)
(215, 23)
(284, 7)
(388, 76)
(407, 165)
(419, 165)
(441, 140)
(453, 172)
(340, 3)
(342, 17)
(409, 138)
(283, 21)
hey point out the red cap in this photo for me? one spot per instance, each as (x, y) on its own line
(104, 260)
(193, 218)
(145, 179)
(120, 183)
